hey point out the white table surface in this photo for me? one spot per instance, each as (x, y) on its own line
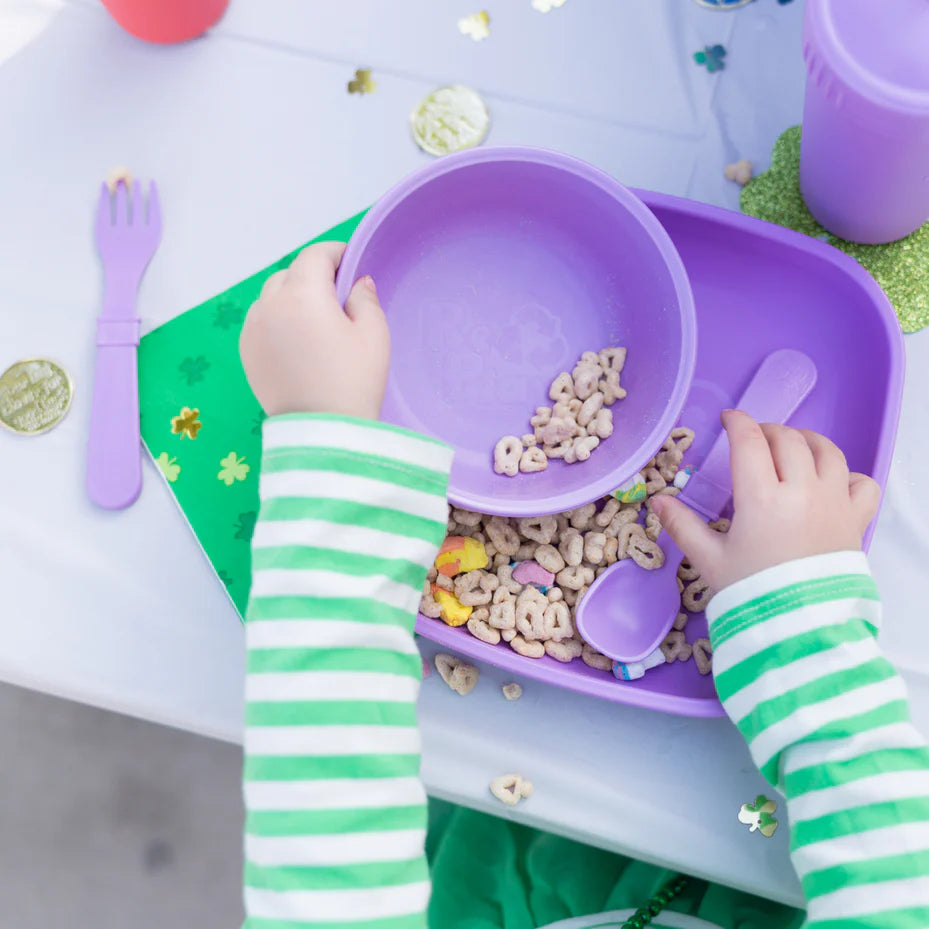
(257, 147)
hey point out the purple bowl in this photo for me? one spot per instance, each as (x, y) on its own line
(497, 268)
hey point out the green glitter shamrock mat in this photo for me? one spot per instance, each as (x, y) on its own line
(901, 268)
(202, 424)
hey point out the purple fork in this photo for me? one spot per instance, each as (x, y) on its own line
(126, 239)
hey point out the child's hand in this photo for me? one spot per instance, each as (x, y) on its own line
(303, 354)
(793, 497)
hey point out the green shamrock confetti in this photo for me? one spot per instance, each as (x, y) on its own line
(712, 57)
(901, 268)
(758, 816)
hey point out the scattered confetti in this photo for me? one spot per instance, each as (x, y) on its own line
(450, 119)
(740, 172)
(712, 56)
(362, 84)
(546, 6)
(477, 25)
(168, 466)
(186, 423)
(232, 469)
(117, 174)
(193, 369)
(245, 527)
(228, 315)
(758, 816)
(35, 395)
(901, 268)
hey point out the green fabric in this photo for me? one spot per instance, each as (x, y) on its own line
(193, 361)
(491, 873)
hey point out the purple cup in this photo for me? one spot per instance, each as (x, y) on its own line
(497, 268)
(864, 164)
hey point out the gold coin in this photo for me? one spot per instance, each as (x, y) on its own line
(34, 396)
(450, 119)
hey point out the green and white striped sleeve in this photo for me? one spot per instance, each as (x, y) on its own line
(827, 720)
(352, 514)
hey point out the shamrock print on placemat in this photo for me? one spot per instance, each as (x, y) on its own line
(245, 527)
(168, 466)
(759, 816)
(232, 468)
(193, 369)
(228, 315)
(186, 423)
(901, 268)
(712, 56)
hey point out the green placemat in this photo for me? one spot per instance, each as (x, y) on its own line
(202, 424)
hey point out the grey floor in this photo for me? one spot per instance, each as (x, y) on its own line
(112, 823)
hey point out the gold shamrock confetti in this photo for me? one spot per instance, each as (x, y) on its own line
(477, 25)
(168, 466)
(186, 423)
(34, 396)
(449, 120)
(546, 6)
(759, 816)
(362, 84)
(232, 469)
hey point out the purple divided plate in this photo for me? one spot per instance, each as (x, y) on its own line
(497, 268)
(757, 288)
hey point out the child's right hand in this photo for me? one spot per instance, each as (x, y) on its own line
(793, 497)
(303, 353)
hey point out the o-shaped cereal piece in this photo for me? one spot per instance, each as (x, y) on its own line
(507, 453)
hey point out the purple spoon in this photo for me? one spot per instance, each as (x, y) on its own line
(628, 611)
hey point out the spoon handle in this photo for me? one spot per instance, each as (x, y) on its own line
(778, 387)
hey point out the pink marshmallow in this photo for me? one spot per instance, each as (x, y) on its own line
(531, 572)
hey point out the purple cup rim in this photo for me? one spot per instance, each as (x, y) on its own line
(671, 259)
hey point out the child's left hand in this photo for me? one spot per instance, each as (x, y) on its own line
(303, 353)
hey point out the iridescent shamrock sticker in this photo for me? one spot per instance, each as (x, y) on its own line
(759, 816)
(361, 83)
(712, 56)
(168, 466)
(232, 468)
(901, 268)
(186, 424)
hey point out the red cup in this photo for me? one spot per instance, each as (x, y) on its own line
(166, 21)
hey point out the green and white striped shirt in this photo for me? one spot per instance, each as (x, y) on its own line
(352, 515)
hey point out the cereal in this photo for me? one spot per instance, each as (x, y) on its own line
(557, 621)
(511, 788)
(503, 535)
(527, 649)
(476, 587)
(503, 615)
(512, 691)
(507, 453)
(571, 547)
(675, 647)
(539, 529)
(461, 677)
(594, 659)
(703, 655)
(564, 651)
(594, 545)
(574, 426)
(482, 630)
(581, 517)
(697, 594)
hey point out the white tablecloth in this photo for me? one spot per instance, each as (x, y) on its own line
(257, 147)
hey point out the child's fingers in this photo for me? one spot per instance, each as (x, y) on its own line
(753, 474)
(273, 283)
(792, 457)
(865, 494)
(827, 456)
(362, 303)
(315, 267)
(696, 540)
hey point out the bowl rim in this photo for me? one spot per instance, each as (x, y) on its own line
(624, 470)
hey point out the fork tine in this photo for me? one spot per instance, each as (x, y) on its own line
(122, 204)
(104, 209)
(154, 208)
(138, 216)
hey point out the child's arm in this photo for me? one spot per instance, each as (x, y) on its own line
(800, 673)
(352, 514)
